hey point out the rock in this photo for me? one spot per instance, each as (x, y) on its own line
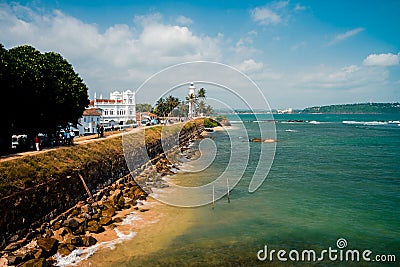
(108, 212)
(48, 233)
(118, 219)
(79, 230)
(14, 259)
(74, 212)
(105, 220)
(63, 250)
(143, 210)
(13, 246)
(80, 204)
(89, 241)
(48, 245)
(38, 253)
(96, 216)
(86, 208)
(57, 225)
(73, 240)
(80, 220)
(14, 238)
(95, 227)
(71, 223)
(35, 263)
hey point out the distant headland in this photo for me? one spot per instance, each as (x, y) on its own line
(360, 108)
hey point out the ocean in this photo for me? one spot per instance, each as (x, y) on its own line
(334, 185)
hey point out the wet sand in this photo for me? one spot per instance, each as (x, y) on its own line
(140, 234)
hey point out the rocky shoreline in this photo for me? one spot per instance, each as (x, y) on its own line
(78, 226)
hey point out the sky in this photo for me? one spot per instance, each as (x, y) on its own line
(282, 53)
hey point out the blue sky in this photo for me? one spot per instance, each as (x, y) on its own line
(299, 53)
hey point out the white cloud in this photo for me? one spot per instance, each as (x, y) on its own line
(280, 4)
(120, 57)
(343, 36)
(346, 78)
(388, 59)
(148, 19)
(249, 65)
(265, 16)
(182, 20)
(299, 7)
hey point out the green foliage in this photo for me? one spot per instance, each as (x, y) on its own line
(165, 106)
(356, 108)
(208, 110)
(46, 89)
(201, 93)
(210, 123)
(143, 107)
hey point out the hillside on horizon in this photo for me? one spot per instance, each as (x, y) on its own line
(356, 108)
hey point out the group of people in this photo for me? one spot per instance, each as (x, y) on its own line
(61, 138)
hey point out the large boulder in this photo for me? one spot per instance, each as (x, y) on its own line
(95, 227)
(48, 245)
(109, 212)
(71, 223)
(88, 241)
(105, 220)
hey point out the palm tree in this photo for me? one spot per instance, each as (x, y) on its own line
(160, 107)
(171, 103)
(209, 110)
(201, 93)
(200, 107)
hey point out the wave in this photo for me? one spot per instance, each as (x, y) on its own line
(314, 122)
(77, 255)
(292, 131)
(367, 123)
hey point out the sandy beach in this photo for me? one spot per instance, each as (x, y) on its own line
(139, 234)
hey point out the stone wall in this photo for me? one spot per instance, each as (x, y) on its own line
(28, 209)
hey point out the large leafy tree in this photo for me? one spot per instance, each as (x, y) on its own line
(165, 106)
(144, 107)
(41, 92)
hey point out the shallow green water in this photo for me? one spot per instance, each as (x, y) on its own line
(329, 180)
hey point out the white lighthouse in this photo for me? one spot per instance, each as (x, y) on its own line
(191, 100)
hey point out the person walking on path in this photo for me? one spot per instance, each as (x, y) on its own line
(37, 144)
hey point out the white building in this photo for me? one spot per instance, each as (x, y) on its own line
(192, 106)
(90, 119)
(118, 109)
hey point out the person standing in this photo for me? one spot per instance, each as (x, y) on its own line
(37, 143)
(68, 137)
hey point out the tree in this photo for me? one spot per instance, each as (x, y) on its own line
(160, 107)
(209, 110)
(201, 93)
(201, 107)
(171, 102)
(165, 106)
(43, 92)
(144, 107)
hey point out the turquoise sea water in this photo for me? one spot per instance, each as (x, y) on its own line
(333, 176)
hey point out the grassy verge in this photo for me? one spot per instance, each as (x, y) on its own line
(21, 173)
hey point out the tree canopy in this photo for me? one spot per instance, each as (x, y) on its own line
(143, 107)
(164, 106)
(40, 92)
